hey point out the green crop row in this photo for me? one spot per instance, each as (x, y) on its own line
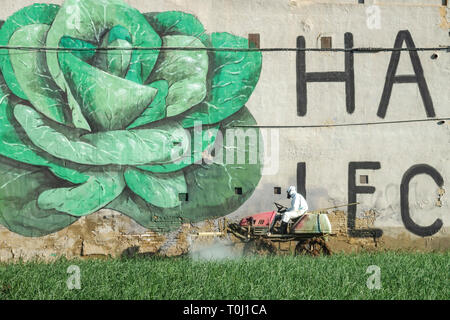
(389, 275)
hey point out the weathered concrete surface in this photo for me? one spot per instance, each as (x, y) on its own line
(110, 234)
(325, 151)
(103, 234)
(392, 239)
(100, 234)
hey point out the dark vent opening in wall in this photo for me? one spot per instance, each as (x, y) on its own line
(254, 40)
(183, 197)
(361, 1)
(238, 190)
(325, 42)
(364, 179)
(277, 190)
(444, 2)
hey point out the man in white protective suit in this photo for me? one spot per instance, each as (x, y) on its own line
(297, 209)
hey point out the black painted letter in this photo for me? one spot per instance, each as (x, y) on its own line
(404, 202)
(301, 178)
(417, 77)
(353, 190)
(303, 77)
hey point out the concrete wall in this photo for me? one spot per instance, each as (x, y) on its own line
(392, 148)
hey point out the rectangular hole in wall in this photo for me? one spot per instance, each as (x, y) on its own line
(325, 42)
(238, 190)
(363, 179)
(277, 190)
(253, 40)
(361, 1)
(183, 197)
(444, 2)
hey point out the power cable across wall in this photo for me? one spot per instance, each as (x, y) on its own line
(355, 50)
(439, 121)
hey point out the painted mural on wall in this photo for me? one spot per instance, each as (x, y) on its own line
(89, 128)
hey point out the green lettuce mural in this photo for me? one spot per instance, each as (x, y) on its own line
(84, 127)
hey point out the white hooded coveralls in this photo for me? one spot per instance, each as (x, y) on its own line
(298, 206)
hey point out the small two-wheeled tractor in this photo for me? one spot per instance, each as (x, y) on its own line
(307, 234)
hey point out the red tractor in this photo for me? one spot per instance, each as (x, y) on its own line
(261, 234)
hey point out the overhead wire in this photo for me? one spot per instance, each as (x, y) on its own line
(212, 49)
(438, 120)
(354, 50)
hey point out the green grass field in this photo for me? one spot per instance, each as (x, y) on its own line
(341, 276)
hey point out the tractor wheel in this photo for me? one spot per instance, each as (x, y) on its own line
(313, 247)
(259, 247)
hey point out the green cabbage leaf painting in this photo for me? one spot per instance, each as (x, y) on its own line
(102, 106)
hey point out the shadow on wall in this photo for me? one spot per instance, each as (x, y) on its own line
(133, 252)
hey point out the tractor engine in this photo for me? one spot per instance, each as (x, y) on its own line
(260, 222)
